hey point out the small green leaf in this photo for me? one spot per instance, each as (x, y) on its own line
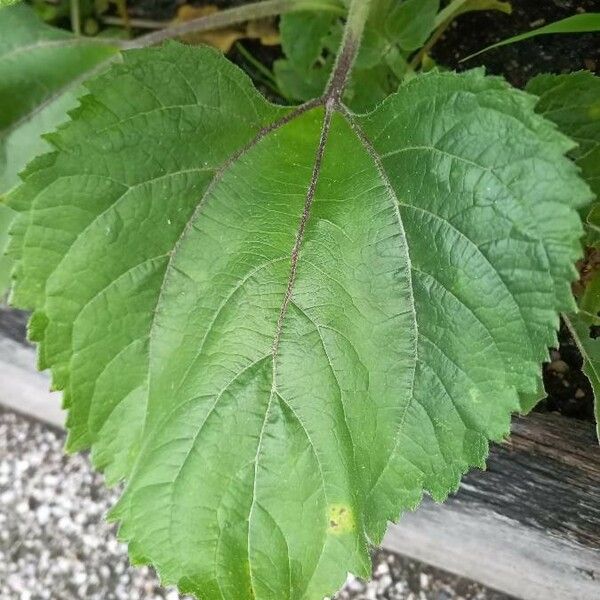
(281, 326)
(411, 22)
(580, 23)
(579, 326)
(298, 83)
(41, 71)
(302, 36)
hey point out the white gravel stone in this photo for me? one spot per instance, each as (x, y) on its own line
(56, 545)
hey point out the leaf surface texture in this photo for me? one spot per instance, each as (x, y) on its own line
(282, 325)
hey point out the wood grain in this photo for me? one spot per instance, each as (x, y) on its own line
(529, 525)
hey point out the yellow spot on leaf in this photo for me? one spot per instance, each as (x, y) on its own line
(594, 112)
(341, 519)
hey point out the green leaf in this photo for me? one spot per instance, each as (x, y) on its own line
(41, 71)
(302, 36)
(572, 101)
(580, 23)
(529, 400)
(310, 42)
(411, 22)
(6, 217)
(579, 326)
(282, 325)
(394, 30)
(459, 7)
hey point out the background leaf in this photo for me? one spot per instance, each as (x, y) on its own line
(579, 325)
(580, 23)
(41, 70)
(233, 297)
(572, 101)
(458, 7)
(394, 30)
(302, 36)
(411, 22)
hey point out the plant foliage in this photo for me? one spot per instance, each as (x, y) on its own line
(282, 325)
(572, 101)
(587, 22)
(394, 31)
(41, 71)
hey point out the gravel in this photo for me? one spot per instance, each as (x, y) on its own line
(55, 544)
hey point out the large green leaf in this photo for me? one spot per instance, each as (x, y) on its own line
(282, 325)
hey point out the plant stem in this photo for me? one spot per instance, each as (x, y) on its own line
(353, 32)
(449, 12)
(137, 23)
(234, 16)
(75, 17)
(256, 64)
(422, 53)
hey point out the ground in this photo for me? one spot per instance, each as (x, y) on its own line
(56, 545)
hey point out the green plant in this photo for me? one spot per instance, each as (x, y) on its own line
(393, 34)
(282, 325)
(572, 101)
(579, 23)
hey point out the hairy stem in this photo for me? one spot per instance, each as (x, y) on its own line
(353, 32)
(234, 16)
(75, 17)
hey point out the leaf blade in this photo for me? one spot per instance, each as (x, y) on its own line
(280, 311)
(43, 68)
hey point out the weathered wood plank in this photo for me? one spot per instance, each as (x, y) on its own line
(529, 525)
(22, 387)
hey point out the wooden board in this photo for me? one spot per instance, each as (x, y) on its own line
(528, 526)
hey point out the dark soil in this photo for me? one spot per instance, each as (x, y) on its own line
(558, 53)
(569, 391)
